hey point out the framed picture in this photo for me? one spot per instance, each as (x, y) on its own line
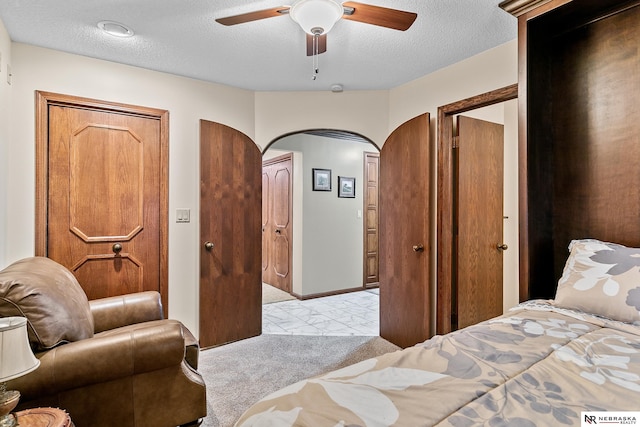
(321, 179)
(346, 187)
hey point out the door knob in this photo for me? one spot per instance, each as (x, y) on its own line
(116, 248)
(418, 248)
(502, 247)
(278, 231)
(208, 245)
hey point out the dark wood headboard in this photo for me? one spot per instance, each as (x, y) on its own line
(579, 131)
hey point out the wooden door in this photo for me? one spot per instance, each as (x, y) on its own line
(371, 219)
(479, 211)
(105, 195)
(405, 280)
(277, 221)
(447, 199)
(230, 235)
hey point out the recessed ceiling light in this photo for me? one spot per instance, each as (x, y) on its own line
(115, 29)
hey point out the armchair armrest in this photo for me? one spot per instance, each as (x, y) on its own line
(114, 312)
(104, 358)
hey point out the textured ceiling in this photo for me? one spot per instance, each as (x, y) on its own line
(181, 37)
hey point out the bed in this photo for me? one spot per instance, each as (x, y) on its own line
(544, 362)
(574, 347)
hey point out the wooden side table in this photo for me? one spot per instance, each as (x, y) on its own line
(44, 417)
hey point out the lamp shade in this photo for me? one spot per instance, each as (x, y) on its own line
(16, 357)
(316, 16)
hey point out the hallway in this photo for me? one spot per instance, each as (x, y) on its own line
(355, 313)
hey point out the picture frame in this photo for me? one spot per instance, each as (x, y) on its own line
(346, 187)
(321, 179)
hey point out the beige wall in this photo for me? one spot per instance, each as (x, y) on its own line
(492, 69)
(187, 100)
(263, 116)
(363, 112)
(5, 108)
(511, 295)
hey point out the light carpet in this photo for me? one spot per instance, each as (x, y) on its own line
(239, 374)
(271, 294)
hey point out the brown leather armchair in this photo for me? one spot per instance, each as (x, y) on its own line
(108, 362)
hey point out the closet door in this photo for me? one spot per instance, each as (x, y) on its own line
(103, 184)
(277, 221)
(371, 219)
(479, 211)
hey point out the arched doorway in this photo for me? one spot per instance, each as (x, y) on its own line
(320, 242)
(230, 232)
(328, 247)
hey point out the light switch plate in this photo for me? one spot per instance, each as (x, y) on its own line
(183, 215)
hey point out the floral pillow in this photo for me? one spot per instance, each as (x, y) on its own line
(601, 278)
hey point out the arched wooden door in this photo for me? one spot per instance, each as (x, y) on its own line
(230, 235)
(405, 217)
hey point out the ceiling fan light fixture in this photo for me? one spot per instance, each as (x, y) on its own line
(316, 17)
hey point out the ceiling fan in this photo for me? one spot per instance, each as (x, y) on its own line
(317, 17)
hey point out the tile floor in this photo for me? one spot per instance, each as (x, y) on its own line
(355, 313)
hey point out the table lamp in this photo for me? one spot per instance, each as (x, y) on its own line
(16, 359)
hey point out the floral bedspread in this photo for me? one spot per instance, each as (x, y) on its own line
(534, 366)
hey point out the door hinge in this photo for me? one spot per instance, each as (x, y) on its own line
(454, 142)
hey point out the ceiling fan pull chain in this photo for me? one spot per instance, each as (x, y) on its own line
(316, 48)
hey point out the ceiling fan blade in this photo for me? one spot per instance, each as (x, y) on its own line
(253, 16)
(322, 44)
(377, 15)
